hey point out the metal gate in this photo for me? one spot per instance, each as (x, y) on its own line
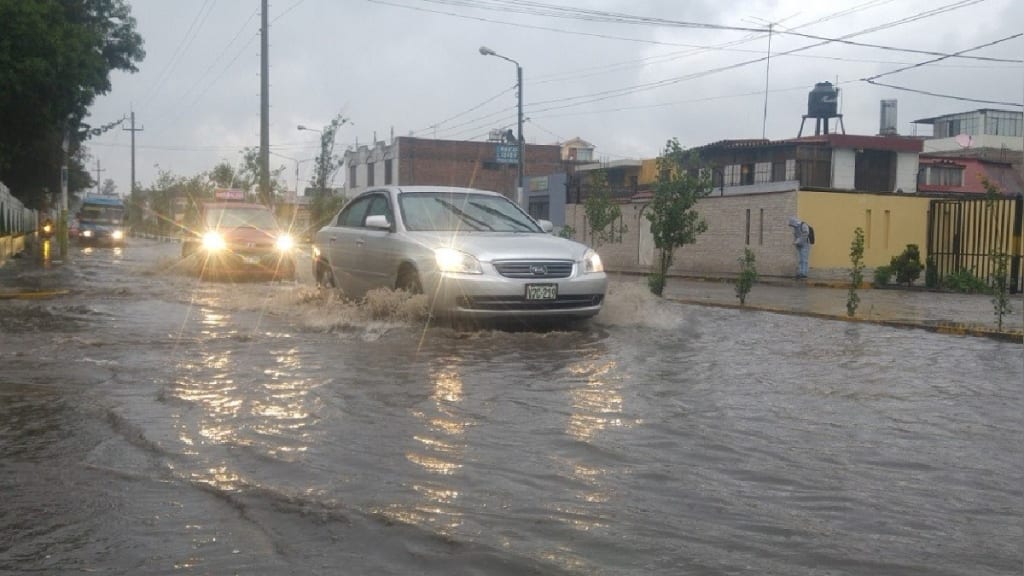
(963, 234)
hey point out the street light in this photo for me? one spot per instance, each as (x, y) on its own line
(519, 89)
(297, 164)
(323, 160)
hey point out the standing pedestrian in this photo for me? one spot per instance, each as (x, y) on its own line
(802, 242)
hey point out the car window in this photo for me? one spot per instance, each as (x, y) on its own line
(354, 214)
(240, 218)
(445, 211)
(379, 207)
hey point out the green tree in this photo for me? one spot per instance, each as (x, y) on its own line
(56, 57)
(1000, 286)
(224, 175)
(602, 212)
(248, 176)
(856, 271)
(327, 164)
(748, 275)
(108, 187)
(674, 221)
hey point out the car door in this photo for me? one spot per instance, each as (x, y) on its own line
(342, 244)
(378, 262)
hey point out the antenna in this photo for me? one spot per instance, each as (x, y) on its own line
(964, 140)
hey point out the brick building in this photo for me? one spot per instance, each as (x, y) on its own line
(412, 161)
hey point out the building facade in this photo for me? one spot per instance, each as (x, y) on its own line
(984, 128)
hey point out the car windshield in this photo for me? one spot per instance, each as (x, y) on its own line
(447, 211)
(240, 218)
(102, 214)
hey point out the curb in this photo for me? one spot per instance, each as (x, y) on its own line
(952, 328)
(33, 295)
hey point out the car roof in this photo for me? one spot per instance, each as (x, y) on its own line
(412, 189)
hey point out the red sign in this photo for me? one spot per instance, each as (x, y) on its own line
(228, 194)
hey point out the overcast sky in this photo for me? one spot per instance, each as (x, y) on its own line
(413, 66)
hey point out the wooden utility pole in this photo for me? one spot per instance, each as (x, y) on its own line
(98, 171)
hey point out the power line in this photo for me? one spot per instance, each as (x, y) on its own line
(183, 45)
(939, 59)
(949, 96)
(467, 111)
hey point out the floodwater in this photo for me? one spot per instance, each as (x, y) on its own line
(151, 423)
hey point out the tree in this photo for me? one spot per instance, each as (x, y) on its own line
(856, 271)
(602, 212)
(249, 175)
(674, 221)
(326, 165)
(55, 58)
(108, 187)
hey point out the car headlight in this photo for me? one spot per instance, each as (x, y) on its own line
(213, 241)
(47, 228)
(87, 233)
(451, 260)
(316, 252)
(285, 242)
(592, 262)
(117, 235)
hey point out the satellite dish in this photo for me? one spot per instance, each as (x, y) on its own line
(964, 140)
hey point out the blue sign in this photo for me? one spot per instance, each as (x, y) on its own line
(506, 154)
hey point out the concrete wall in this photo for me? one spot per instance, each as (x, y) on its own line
(890, 222)
(981, 141)
(717, 250)
(906, 171)
(844, 166)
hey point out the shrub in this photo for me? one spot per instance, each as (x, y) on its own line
(964, 280)
(907, 266)
(883, 275)
(747, 277)
(1000, 287)
(856, 271)
(656, 282)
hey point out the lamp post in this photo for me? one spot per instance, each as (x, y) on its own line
(520, 199)
(297, 164)
(322, 177)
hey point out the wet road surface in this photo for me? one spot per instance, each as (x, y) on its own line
(154, 424)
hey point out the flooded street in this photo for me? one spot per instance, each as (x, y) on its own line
(153, 424)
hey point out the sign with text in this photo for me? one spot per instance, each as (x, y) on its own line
(506, 153)
(228, 194)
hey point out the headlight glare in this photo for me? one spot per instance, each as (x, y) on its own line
(117, 235)
(285, 243)
(592, 262)
(213, 241)
(87, 233)
(451, 260)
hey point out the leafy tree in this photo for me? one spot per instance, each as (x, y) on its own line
(224, 175)
(674, 221)
(602, 212)
(108, 187)
(1000, 286)
(55, 59)
(856, 271)
(748, 275)
(327, 164)
(249, 174)
(907, 266)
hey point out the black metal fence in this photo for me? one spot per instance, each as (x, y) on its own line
(964, 233)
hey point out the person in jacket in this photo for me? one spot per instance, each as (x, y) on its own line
(802, 244)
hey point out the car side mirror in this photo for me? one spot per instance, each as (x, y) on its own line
(546, 226)
(378, 222)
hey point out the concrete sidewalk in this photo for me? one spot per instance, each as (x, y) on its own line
(968, 314)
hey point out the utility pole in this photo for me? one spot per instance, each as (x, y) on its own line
(264, 108)
(521, 192)
(98, 170)
(133, 130)
(767, 72)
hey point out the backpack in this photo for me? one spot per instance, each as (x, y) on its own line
(810, 233)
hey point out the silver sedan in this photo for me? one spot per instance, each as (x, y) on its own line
(474, 254)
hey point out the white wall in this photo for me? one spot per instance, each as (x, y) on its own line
(982, 141)
(906, 171)
(844, 162)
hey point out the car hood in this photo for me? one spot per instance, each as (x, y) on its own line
(247, 234)
(505, 246)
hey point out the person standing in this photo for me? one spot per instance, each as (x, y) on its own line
(802, 242)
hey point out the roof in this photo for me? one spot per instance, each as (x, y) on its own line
(609, 165)
(243, 205)
(979, 111)
(103, 200)
(579, 142)
(891, 143)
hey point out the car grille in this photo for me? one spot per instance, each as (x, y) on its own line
(534, 268)
(519, 303)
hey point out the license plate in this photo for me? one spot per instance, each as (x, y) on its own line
(251, 259)
(541, 291)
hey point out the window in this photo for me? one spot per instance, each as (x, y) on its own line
(539, 207)
(760, 233)
(353, 215)
(369, 173)
(748, 227)
(746, 174)
(379, 207)
(762, 172)
(778, 171)
(352, 176)
(945, 176)
(388, 179)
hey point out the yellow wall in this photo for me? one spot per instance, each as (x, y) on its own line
(648, 172)
(890, 222)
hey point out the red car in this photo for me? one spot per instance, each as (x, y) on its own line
(237, 238)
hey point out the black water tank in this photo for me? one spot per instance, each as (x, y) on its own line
(823, 101)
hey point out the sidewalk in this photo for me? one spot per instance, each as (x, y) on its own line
(967, 314)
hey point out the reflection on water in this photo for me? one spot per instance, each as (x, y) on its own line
(441, 451)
